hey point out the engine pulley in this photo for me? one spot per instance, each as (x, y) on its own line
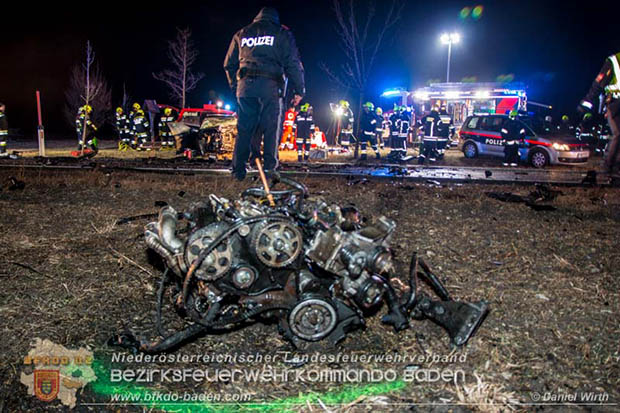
(313, 319)
(276, 244)
(219, 261)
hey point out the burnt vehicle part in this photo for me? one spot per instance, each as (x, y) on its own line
(316, 268)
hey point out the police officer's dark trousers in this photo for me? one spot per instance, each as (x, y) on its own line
(257, 114)
(511, 153)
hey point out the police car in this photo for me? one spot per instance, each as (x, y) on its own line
(481, 135)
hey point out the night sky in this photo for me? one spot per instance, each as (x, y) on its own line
(555, 47)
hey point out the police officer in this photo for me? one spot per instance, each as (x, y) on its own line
(305, 127)
(513, 133)
(431, 127)
(607, 82)
(261, 55)
(399, 128)
(4, 132)
(368, 129)
(346, 126)
(446, 130)
(83, 119)
(380, 127)
(141, 130)
(122, 127)
(165, 134)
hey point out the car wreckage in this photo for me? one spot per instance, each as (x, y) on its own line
(316, 268)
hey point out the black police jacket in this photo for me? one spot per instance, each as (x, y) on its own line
(260, 54)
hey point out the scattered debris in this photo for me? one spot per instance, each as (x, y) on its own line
(15, 183)
(542, 193)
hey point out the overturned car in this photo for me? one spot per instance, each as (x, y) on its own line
(318, 269)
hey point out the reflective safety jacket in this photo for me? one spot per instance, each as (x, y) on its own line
(305, 124)
(606, 82)
(431, 124)
(347, 120)
(399, 124)
(446, 127)
(79, 125)
(368, 122)
(513, 132)
(164, 128)
(140, 126)
(122, 123)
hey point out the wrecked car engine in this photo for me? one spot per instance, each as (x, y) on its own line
(318, 269)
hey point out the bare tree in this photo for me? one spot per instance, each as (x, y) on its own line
(181, 80)
(88, 86)
(361, 40)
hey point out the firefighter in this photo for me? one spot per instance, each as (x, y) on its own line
(399, 128)
(165, 134)
(304, 125)
(122, 127)
(368, 130)
(513, 133)
(141, 131)
(379, 127)
(260, 56)
(83, 119)
(134, 110)
(4, 132)
(607, 82)
(587, 132)
(431, 126)
(565, 127)
(346, 126)
(446, 131)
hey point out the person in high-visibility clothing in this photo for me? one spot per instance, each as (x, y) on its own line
(122, 128)
(380, 127)
(607, 82)
(368, 130)
(346, 137)
(141, 130)
(513, 134)
(4, 132)
(165, 134)
(134, 110)
(288, 131)
(304, 125)
(83, 120)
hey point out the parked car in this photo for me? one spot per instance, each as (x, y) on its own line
(481, 135)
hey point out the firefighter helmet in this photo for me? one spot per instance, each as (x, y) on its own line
(136, 106)
(304, 107)
(88, 108)
(565, 118)
(587, 116)
(119, 110)
(167, 111)
(344, 103)
(379, 111)
(513, 114)
(369, 105)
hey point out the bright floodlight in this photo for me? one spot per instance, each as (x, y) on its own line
(219, 103)
(448, 38)
(227, 107)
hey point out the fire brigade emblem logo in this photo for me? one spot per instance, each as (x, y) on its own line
(46, 384)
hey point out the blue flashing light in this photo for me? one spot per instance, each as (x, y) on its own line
(227, 106)
(392, 92)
